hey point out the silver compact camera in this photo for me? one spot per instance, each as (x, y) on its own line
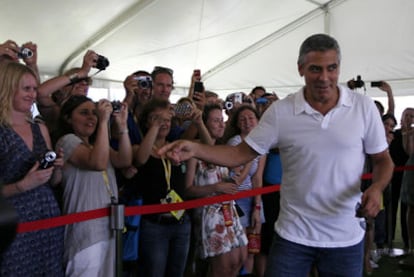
(144, 81)
(24, 53)
(47, 160)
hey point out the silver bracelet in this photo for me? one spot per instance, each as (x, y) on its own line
(126, 131)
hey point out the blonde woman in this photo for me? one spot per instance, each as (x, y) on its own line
(26, 187)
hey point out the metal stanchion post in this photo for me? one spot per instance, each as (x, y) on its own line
(392, 252)
(117, 225)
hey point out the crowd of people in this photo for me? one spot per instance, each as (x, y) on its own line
(321, 222)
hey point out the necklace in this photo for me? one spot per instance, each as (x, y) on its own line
(156, 147)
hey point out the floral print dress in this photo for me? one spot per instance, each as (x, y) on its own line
(215, 237)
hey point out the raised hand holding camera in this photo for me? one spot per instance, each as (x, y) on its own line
(102, 62)
(144, 82)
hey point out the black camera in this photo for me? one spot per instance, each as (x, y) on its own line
(47, 159)
(116, 106)
(144, 81)
(102, 62)
(376, 84)
(358, 83)
(24, 53)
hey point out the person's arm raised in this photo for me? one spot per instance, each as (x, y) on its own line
(391, 104)
(122, 157)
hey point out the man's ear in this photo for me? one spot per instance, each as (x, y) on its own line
(300, 70)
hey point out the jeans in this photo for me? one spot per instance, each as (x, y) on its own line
(295, 260)
(164, 248)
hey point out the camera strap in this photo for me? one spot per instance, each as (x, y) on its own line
(171, 194)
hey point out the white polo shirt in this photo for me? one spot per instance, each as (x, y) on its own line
(322, 161)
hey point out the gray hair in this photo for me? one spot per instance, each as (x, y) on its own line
(318, 42)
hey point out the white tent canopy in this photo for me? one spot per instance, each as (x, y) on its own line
(237, 44)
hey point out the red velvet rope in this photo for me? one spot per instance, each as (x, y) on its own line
(158, 208)
(146, 209)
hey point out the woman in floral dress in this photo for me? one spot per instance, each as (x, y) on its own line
(221, 238)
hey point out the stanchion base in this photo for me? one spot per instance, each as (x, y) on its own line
(395, 252)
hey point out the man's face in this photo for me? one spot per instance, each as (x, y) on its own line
(321, 72)
(162, 86)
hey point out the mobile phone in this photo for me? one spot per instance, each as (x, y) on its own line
(238, 98)
(376, 83)
(262, 100)
(198, 87)
(197, 73)
(182, 109)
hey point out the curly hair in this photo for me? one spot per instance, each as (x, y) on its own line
(151, 106)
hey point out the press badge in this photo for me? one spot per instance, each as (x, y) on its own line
(173, 197)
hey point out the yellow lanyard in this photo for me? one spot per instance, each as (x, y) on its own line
(167, 171)
(108, 188)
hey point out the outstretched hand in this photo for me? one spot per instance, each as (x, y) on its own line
(178, 151)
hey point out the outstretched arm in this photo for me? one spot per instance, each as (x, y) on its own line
(225, 155)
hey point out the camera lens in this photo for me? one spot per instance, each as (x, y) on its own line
(116, 106)
(47, 160)
(25, 53)
(144, 82)
(228, 105)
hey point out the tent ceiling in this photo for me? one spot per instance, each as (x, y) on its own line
(237, 44)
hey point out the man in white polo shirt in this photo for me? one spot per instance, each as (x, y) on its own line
(323, 133)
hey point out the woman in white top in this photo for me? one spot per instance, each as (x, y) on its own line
(89, 181)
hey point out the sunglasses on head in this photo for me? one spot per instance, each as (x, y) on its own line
(88, 80)
(160, 69)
